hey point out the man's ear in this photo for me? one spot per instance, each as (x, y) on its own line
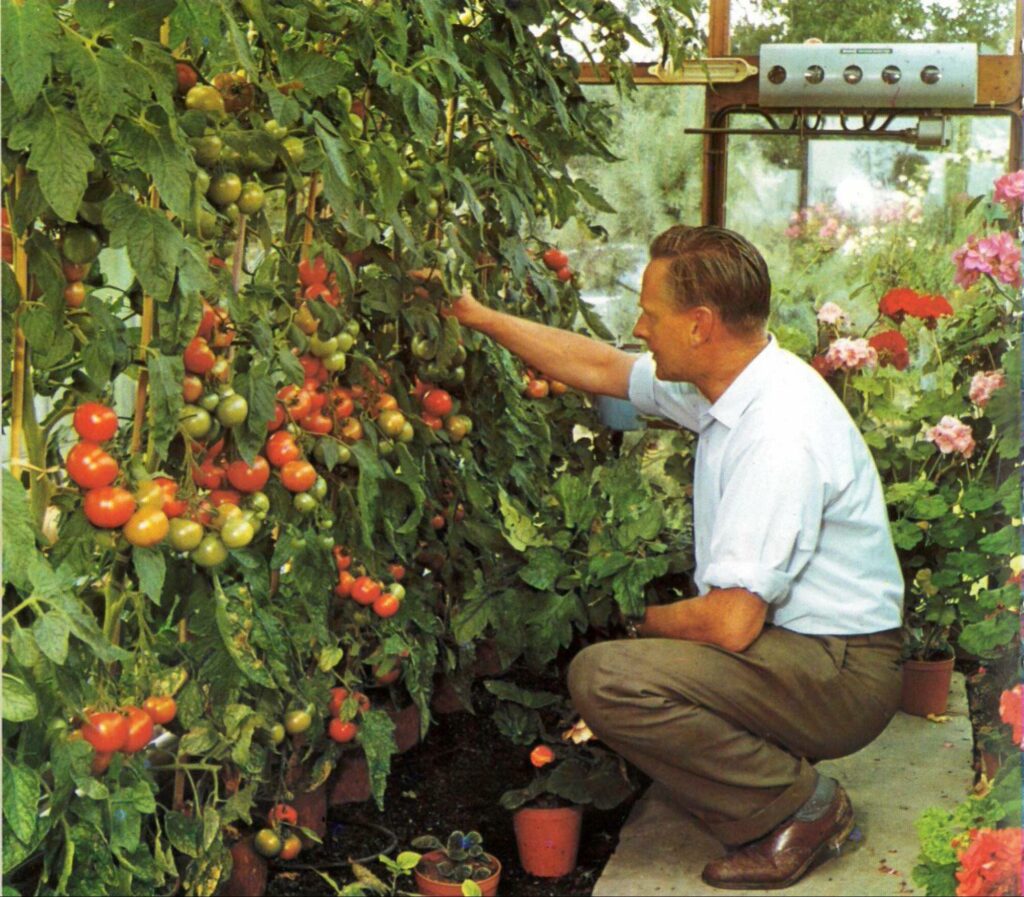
(703, 321)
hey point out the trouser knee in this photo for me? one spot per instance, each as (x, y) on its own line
(596, 683)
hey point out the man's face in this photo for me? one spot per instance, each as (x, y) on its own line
(662, 325)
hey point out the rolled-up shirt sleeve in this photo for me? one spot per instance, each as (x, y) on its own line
(768, 520)
(678, 402)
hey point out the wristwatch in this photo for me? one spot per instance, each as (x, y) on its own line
(631, 626)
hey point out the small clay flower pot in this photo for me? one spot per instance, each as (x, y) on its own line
(350, 783)
(430, 886)
(548, 839)
(926, 686)
(445, 699)
(248, 871)
(311, 807)
(407, 727)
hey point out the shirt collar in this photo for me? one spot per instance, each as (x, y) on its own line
(743, 390)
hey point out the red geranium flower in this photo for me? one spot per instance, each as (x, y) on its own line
(900, 302)
(894, 304)
(891, 347)
(990, 866)
(1011, 712)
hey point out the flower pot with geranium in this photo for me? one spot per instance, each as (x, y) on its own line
(448, 864)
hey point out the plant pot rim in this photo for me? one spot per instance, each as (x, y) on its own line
(431, 855)
(562, 808)
(920, 661)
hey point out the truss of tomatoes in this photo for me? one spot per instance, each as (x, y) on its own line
(365, 590)
(126, 730)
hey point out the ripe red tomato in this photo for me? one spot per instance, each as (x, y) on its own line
(344, 407)
(344, 587)
(161, 708)
(73, 272)
(108, 507)
(298, 476)
(438, 521)
(187, 77)
(537, 389)
(100, 762)
(312, 271)
(352, 430)
(365, 590)
(220, 497)
(397, 572)
(564, 274)
(199, 357)
(191, 389)
(147, 527)
(317, 423)
(555, 259)
(291, 847)
(90, 467)
(386, 605)
(208, 475)
(388, 677)
(140, 729)
(278, 420)
(342, 732)
(338, 697)
(285, 813)
(173, 506)
(342, 560)
(312, 366)
(437, 402)
(207, 322)
(281, 448)
(297, 402)
(106, 731)
(249, 479)
(74, 294)
(541, 755)
(433, 421)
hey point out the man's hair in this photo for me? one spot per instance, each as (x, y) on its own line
(717, 267)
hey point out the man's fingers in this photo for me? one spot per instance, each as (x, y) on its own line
(423, 274)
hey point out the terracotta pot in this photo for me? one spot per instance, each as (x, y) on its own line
(487, 661)
(351, 781)
(548, 839)
(432, 887)
(311, 807)
(926, 686)
(407, 727)
(990, 764)
(248, 871)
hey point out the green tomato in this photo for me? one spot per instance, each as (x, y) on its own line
(397, 589)
(436, 190)
(80, 245)
(319, 489)
(385, 447)
(233, 411)
(206, 225)
(352, 327)
(460, 354)
(423, 347)
(304, 503)
(408, 433)
(185, 535)
(251, 199)
(259, 502)
(345, 341)
(321, 348)
(277, 733)
(210, 552)
(432, 209)
(210, 401)
(297, 721)
(194, 421)
(275, 129)
(237, 532)
(225, 390)
(295, 147)
(225, 189)
(326, 541)
(231, 212)
(208, 150)
(205, 98)
(335, 362)
(202, 181)
(344, 454)
(267, 842)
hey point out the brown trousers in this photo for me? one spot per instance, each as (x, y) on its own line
(733, 736)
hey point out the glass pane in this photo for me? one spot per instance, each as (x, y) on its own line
(988, 23)
(844, 220)
(655, 183)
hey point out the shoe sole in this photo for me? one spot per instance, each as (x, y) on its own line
(833, 845)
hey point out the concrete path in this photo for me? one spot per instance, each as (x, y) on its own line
(913, 764)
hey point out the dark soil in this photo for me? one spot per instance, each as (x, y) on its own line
(451, 781)
(985, 683)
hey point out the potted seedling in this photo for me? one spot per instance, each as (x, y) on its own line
(447, 865)
(547, 813)
(928, 664)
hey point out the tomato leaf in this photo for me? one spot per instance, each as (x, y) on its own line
(159, 152)
(377, 737)
(535, 700)
(258, 390)
(183, 832)
(58, 152)
(319, 74)
(165, 376)
(52, 631)
(99, 73)
(150, 567)
(543, 568)
(18, 533)
(19, 704)
(153, 242)
(123, 19)
(21, 799)
(29, 40)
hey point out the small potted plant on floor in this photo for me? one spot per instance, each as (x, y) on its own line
(442, 871)
(928, 666)
(547, 813)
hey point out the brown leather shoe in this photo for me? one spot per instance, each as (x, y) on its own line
(783, 856)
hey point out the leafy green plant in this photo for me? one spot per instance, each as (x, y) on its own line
(462, 856)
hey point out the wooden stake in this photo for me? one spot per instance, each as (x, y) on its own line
(20, 376)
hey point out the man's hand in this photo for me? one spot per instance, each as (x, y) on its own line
(465, 308)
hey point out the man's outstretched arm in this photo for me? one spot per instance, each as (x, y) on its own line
(578, 361)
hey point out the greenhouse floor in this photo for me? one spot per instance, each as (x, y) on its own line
(913, 764)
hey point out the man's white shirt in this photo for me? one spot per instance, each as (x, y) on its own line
(787, 500)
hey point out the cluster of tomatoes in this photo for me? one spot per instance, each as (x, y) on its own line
(557, 261)
(537, 386)
(342, 709)
(436, 407)
(270, 842)
(128, 729)
(317, 282)
(201, 361)
(367, 591)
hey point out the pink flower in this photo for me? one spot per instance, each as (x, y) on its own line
(998, 255)
(983, 384)
(990, 865)
(1010, 189)
(851, 354)
(951, 435)
(1011, 712)
(793, 231)
(1007, 257)
(830, 313)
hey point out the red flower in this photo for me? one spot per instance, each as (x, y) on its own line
(891, 347)
(1011, 712)
(900, 302)
(990, 866)
(821, 364)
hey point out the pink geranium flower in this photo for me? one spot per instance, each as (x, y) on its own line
(830, 313)
(850, 354)
(952, 435)
(998, 255)
(1009, 189)
(983, 384)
